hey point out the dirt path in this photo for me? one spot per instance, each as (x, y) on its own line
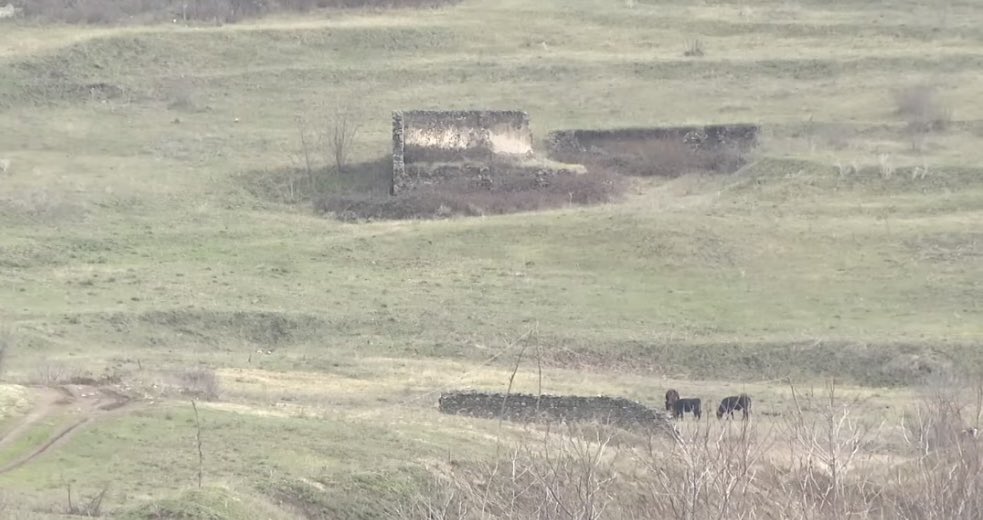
(79, 405)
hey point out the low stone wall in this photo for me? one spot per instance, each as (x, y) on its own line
(741, 137)
(615, 411)
(427, 137)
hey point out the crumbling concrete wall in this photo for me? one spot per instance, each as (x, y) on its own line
(615, 411)
(741, 137)
(423, 136)
(666, 152)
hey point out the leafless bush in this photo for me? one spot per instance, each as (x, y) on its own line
(565, 477)
(7, 341)
(923, 112)
(52, 373)
(199, 383)
(708, 475)
(695, 50)
(326, 142)
(180, 96)
(89, 506)
(828, 454)
(822, 460)
(945, 479)
(340, 137)
(943, 417)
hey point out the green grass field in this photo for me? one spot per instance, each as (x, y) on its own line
(134, 240)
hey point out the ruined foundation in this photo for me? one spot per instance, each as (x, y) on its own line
(666, 152)
(742, 137)
(422, 139)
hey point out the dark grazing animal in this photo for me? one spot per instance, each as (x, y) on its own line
(691, 404)
(671, 397)
(735, 403)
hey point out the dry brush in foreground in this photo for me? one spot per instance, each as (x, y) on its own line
(821, 460)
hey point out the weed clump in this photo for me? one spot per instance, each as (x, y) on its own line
(199, 383)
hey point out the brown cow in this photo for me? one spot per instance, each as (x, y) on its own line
(671, 397)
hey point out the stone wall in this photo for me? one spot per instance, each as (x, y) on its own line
(615, 411)
(741, 137)
(426, 137)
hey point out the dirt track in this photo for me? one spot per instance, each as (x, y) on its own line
(77, 404)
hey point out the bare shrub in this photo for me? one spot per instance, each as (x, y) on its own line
(7, 342)
(52, 373)
(180, 96)
(695, 50)
(945, 479)
(88, 506)
(708, 475)
(885, 167)
(922, 111)
(942, 418)
(822, 460)
(340, 137)
(199, 383)
(567, 476)
(326, 143)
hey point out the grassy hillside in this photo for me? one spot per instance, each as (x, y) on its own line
(136, 242)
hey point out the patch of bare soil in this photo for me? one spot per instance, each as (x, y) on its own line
(81, 404)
